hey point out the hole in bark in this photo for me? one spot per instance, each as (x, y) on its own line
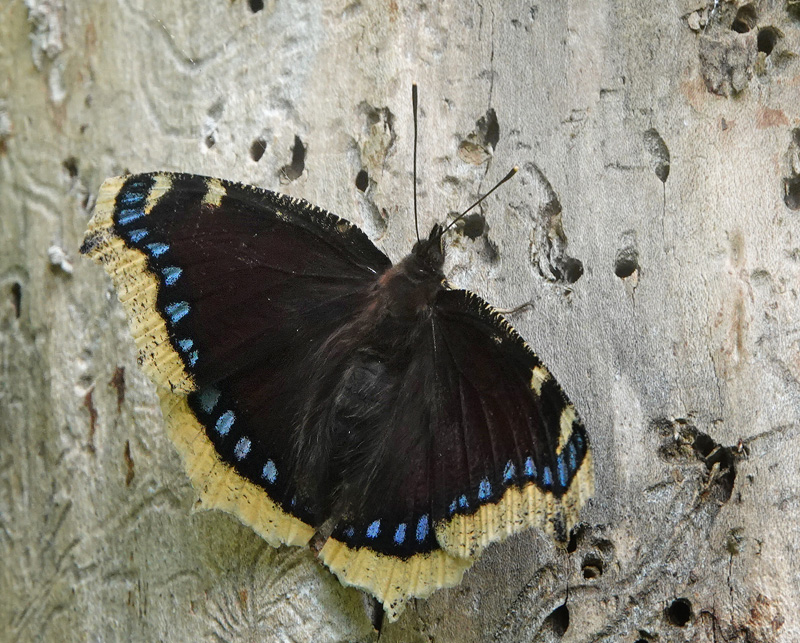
(791, 189)
(659, 154)
(592, 567)
(257, 149)
(572, 545)
(362, 180)
(295, 169)
(472, 225)
(480, 144)
(491, 127)
(704, 445)
(210, 141)
(626, 263)
(767, 39)
(571, 270)
(683, 442)
(256, 5)
(71, 166)
(16, 298)
(793, 9)
(558, 620)
(679, 613)
(745, 19)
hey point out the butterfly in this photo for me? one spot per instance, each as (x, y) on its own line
(325, 395)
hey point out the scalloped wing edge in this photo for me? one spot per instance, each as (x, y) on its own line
(136, 286)
(220, 486)
(466, 536)
(393, 581)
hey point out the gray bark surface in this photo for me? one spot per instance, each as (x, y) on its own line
(653, 225)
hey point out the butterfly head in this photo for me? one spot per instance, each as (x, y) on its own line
(429, 253)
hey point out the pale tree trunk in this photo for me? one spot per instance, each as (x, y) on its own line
(653, 224)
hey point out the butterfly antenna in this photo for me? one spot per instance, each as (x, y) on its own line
(513, 171)
(414, 109)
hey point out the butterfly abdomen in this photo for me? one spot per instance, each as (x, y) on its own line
(359, 377)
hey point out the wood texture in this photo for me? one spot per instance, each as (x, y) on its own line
(653, 225)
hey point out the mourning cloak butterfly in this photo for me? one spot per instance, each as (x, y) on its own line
(312, 387)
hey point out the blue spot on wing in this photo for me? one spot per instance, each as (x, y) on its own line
(129, 214)
(225, 422)
(374, 529)
(453, 507)
(509, 471)
(171, 274)
(132, 197)
(484, 489)
(547, 477)
(157, 249)
(530, 468)
(242, 448)
(422, 528)
(572, 457)
(400, 533)
(462, 502)
(186, 346)
(177, 310)
(561, 467)
(137, 235)
(208, 398)
(270, 472)
(349, 532)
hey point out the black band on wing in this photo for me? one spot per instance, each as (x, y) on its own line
(142, 230)
(400, 538)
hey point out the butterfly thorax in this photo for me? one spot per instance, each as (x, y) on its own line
(407, 290)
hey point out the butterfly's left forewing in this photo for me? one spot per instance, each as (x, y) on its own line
(215, 274)
(229, 290)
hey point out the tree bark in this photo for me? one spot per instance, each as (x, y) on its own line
(653, 226)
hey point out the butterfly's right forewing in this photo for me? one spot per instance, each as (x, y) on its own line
(512, 451)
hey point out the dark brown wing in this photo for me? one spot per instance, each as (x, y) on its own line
(488, 443)
(479, 442)
(237, 270)
(230, 290)
(512, 449)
